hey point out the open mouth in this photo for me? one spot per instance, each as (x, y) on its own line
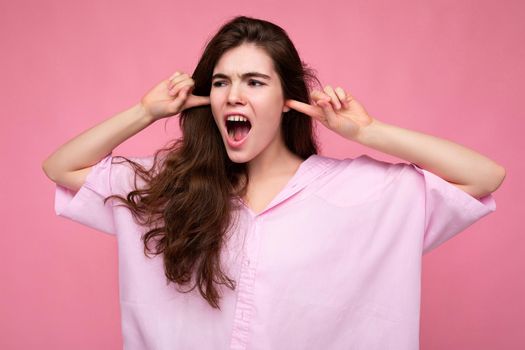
(238, 128)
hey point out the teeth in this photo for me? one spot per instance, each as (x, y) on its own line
(237, 118)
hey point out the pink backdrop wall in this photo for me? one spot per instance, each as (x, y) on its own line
(450, 68)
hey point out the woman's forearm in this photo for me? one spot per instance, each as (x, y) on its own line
(93, 144)
(452, 162)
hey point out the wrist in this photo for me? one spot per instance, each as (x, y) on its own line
(143, 114)
(370, 135)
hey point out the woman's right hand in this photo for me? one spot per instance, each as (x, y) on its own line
(172, 96)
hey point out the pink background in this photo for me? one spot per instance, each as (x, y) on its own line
(454, 69)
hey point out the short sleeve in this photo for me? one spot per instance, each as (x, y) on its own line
(448, 209)
(86, 206)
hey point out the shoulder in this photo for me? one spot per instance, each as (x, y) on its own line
(350, 181)
(364, 166)
(124, 174)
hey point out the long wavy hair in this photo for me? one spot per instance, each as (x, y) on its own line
(186, 200)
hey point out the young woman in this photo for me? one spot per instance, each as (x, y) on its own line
(289, 249)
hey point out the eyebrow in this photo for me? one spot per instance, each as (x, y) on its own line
(245, 75)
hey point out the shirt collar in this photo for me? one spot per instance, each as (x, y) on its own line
(310, 169)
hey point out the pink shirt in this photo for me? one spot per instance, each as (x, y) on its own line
(333, 262)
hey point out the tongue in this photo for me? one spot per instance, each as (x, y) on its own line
(240, 132)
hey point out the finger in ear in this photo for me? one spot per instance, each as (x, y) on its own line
(317, 95)
(334, 100)
(342, 96)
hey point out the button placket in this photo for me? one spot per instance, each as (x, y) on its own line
(244, 307)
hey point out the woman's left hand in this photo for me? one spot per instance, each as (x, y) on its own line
(335, 109)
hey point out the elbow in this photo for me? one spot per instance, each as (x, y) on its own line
(490, 184)
(496, 179)
(44, 168)
(499, 175)
(47, 170)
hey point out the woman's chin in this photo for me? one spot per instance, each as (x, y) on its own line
(238, 158)
(238, 153)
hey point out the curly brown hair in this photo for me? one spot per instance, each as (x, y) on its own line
(186, 202)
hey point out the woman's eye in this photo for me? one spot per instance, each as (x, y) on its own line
(251, 82)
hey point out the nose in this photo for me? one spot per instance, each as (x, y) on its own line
(235, 95)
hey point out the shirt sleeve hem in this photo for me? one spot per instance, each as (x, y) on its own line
(484, 205)
(81, 207)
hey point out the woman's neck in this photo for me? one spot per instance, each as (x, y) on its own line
(268, 174)
(276, 162)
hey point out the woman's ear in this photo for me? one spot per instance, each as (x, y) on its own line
(285, 107)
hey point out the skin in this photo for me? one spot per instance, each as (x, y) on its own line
(464, 168)
(270, 163)
(260, 99)
(336, 109)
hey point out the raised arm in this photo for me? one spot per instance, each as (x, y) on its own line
(464, 168)
(71, 162)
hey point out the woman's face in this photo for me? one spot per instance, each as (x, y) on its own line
(244, 83)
